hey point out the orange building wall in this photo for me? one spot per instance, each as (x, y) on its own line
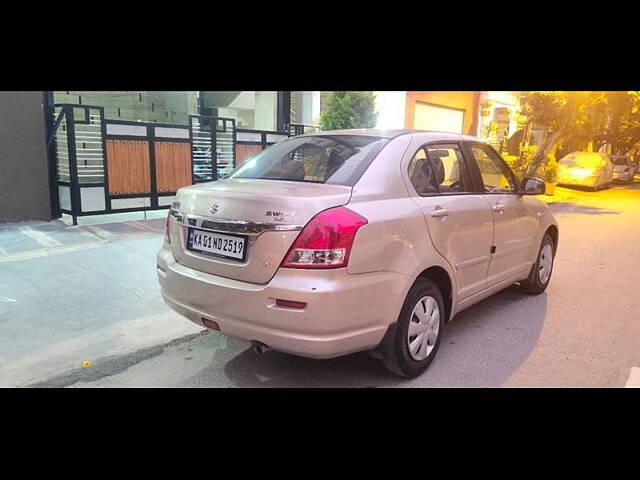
(467, 101)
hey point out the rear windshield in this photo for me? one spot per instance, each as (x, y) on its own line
(582, 160)
(335, 159)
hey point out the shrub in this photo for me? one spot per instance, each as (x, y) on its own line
(346, 110)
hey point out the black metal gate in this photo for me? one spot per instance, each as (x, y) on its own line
(147, 163)
(77, 141)
(113, 166)
(213, 147)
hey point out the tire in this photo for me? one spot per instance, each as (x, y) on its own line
(397, 356)
(541, 271)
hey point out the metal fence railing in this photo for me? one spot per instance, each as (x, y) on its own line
(77, 141)
(213, 141)
(106, 166)
(296, 129)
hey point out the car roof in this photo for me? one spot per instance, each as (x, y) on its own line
(393, 133)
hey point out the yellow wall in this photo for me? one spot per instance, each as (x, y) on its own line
(466, 100)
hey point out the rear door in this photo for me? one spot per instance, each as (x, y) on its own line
(515, 218)
(459, 220)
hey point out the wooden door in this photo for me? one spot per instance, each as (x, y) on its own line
(128, 164)
(173, 165)
(245, 151)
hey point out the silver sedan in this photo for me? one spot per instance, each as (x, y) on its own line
(337, 242)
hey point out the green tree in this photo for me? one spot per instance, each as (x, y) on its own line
(623, 126)
(563, 116)
(600, 117)
(346, 110)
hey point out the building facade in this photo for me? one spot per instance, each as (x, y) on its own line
(499, 113)
(491, 116)
(93, 152)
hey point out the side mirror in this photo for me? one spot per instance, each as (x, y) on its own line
(532, 186)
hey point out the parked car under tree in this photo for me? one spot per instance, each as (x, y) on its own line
(624, 170)
(333, 243)
(585, 169)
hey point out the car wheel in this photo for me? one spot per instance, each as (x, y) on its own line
(418, 331)
(543, 268)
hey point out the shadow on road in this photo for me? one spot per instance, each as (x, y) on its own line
(568, 207)
(483, 346)
(581, 188)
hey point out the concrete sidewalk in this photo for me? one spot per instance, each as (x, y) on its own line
(71, 294)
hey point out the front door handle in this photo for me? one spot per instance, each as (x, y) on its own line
(440, 212)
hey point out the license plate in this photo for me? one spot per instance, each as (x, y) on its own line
(217, 244)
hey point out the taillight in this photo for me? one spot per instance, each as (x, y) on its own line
(326, 241)
(167, 237)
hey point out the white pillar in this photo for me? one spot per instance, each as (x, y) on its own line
(315, 104)
(265, 110)
(391, 108)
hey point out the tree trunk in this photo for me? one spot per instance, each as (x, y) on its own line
(545, 151)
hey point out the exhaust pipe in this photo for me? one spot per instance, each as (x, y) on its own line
(260, 348)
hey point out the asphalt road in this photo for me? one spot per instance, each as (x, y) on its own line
(584, 331)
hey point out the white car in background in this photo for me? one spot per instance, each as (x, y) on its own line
(585, 169)
(624, 170)
(337, 242)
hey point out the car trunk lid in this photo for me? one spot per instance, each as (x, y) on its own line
(268, 214)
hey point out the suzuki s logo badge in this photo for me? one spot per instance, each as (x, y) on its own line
(214, 208)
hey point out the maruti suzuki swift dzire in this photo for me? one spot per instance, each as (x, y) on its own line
(332, 243)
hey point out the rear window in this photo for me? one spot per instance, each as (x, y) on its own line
(569, 160)
(619, 160)
(583, 160)
(334, 159)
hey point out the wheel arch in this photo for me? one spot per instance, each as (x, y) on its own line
(442, 279)
(554, 234)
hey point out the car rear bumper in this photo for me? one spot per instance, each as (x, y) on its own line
(344, 313)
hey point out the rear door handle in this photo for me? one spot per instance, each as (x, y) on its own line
(499, 208)
(440, 212)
